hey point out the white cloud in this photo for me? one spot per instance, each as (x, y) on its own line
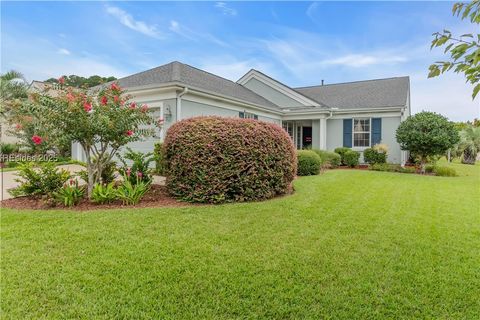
(190, 34)
(63, 51)
(127, 20)
(226, 10)
(363, 60)
(311, 10)
(47, 62)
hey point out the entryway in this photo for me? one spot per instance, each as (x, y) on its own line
(300, 132)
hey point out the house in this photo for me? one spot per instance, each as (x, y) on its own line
(355, 114)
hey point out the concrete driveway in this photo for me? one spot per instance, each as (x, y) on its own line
(7, 180)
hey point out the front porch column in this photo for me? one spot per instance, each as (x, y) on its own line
(323, 134)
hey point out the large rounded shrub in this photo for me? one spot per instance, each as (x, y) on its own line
(309, 163)
(214, 159)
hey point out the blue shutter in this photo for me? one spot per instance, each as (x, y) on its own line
(241, 115)
(347, 133)
(376, 131)
(255, 117)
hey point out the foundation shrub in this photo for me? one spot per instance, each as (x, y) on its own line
(215, 160)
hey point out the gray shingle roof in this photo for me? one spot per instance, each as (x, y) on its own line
(190, 76)
(391, 92)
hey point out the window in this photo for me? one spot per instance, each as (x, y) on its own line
(361, 132)
(247, 115)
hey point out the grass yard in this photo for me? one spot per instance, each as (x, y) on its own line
(347, 245)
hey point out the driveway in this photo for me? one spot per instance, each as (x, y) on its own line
(7, 180)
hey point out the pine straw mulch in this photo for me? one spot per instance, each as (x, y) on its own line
(156, 197)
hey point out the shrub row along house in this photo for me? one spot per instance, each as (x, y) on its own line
(355, 115)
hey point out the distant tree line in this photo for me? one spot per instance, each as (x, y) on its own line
(82, 82)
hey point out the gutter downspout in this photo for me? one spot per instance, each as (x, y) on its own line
(179, 103)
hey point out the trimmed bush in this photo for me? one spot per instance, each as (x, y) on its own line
(214, 160)
(329, 158)
(372, 156)
(341, 151)
(309, 163)
(351, 158)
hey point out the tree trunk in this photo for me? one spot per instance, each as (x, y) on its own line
(90, 172)
(423, 164)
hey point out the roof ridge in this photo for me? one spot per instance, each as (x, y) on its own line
(348, 82)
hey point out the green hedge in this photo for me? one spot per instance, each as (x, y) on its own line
(350, 158)
(372, 156)
(329, 158)
(214, 160)
(309, 163)
(341, 151)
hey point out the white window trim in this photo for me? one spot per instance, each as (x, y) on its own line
(369, 134)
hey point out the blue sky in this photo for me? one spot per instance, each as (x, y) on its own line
(298, 43)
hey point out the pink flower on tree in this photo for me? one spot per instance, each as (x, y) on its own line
(139, 174)
(87, 107)
(133, 105)
(37, 139)
(70, 97)
(115, 86)
(18, 126)
(144, 108)
(129, 171)
(129, 133)
(104, 100)
(116, 99)
(61, 80)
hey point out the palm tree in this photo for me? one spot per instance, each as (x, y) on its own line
(13, 89)
(470, 144)
(13, 86)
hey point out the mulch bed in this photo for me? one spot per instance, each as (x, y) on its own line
(156, 197)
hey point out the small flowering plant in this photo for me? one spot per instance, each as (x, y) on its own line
(101, 122)
(136, 166)
(70, 194)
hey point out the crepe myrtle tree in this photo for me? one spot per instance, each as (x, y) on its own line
(427, 134)
(101, 122)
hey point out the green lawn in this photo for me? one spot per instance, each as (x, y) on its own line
(347, 245)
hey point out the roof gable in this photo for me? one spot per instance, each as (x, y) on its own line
(302, 100)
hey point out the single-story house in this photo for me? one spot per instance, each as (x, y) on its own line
(354, 114)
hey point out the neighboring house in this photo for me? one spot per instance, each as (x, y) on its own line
(355, 114)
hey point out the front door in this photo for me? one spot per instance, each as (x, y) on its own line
(307, 138)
